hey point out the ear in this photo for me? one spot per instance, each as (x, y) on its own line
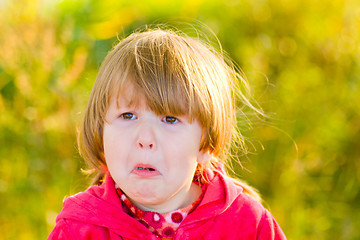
(204, 157)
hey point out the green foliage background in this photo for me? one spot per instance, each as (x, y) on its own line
(300, 57)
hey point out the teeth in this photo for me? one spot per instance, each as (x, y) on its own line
(147, 169)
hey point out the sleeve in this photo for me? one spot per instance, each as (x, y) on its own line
(60, 231)
(269, 228)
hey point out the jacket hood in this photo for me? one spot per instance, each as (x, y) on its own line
(101, 206)
(220, 194)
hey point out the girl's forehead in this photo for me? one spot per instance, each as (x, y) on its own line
(138, 102)
(128, 96)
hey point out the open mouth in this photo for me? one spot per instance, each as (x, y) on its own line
(148, 169)
(145, 171)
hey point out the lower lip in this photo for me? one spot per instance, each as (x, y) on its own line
(145, 173)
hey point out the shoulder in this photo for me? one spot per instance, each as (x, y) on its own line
(70, 229)
(247, 207)
(249, 217)
(253, 216)
(236, 200)
(60, 231)
(76, 219)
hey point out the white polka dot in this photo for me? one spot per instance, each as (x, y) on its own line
(156, 217)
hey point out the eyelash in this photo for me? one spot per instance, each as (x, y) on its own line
(173, 120)
(166, 119)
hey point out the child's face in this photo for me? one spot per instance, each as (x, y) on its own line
(152, 158)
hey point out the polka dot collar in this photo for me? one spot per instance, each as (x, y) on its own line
(162, 225)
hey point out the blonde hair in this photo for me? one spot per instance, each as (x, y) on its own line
(177, 75)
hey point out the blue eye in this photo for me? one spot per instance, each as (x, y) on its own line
(170, 120)
(128, 116)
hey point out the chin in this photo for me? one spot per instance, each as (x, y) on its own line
(145, 198)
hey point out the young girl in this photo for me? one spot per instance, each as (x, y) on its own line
(157, 130)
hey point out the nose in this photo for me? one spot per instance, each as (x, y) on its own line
(146, 137)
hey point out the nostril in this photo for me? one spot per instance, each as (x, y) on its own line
(142, 145)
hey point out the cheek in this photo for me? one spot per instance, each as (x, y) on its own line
(116, 159)
(115, 135)
(107, 140)
(113, 144)
(184, 150)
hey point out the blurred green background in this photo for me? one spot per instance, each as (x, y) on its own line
(300, 57)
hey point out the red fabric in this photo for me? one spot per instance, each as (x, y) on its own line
(225, 212)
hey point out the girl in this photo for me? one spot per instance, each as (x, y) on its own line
(158, 125)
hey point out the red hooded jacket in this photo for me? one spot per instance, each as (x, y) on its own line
(225, 212)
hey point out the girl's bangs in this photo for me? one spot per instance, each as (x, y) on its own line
(162, 99)
(159, 82)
